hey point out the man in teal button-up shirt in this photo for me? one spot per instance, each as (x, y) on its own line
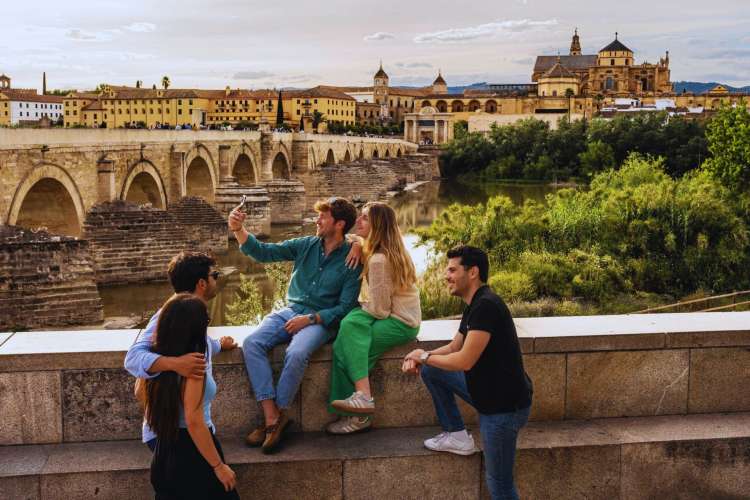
(322, 290)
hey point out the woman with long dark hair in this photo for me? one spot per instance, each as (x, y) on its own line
(389, 315)
(188, 462)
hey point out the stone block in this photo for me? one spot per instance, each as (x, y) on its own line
(591, 472)
(687, 469)
(730, 338)
(20, 487)
(719, 380)
(319, 479)
(112, 485)
(547, 371)
(30, 408)
(616, 384)
(99, 405)
(585, 343)
(415, 477)
(401, 400)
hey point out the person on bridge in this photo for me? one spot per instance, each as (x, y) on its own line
(188, 272)
(483, 366)
(389, 315)
(322, 290)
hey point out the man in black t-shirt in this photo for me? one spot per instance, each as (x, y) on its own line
(482, 365)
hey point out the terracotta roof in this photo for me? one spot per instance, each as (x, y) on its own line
(30, 96)
(319, 91)
(410, 91)
(558, 71)
(93, 106)
(572, 63)
(82, 95)
(351, 89)
(616, 46)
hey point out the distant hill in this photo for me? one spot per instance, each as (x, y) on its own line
(460, 88)
(701, 87)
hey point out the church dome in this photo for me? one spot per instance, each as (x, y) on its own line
(616, 46)
(439, 80)
(381, 73)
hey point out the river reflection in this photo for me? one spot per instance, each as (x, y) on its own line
(414, 209)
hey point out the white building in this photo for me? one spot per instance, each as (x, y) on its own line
(33, 107)
(26, 105)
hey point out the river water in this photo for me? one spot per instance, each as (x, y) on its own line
(414, 209)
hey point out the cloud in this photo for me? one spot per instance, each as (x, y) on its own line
(738, 53)
(141, 27)
(92, 36)
(413, 65)
(487, 30)
(252, 75)
(380, 35)
(524, 60)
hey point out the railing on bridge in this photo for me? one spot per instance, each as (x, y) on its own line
(723, 302)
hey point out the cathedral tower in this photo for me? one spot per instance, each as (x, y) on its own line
(575, 45)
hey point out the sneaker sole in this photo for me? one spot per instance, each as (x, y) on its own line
(358, 431)
(464, 453)
(348, 409)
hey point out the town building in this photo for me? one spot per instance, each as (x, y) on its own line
(26, 106)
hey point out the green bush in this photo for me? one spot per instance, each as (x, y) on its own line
(513, 285)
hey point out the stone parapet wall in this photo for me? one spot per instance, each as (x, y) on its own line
(287, 204)
(45, 281)
(204, 227)
(133, 243)
(367, 180)
(582, 368)
(257, 206)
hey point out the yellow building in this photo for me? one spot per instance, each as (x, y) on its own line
(336, 106)
(610, 72)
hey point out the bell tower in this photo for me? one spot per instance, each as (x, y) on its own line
(575, 44)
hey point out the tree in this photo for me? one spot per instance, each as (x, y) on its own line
(597, 158)
(569, 94)
(728, 136)
(165, 82)
(317, 119)
(279, 112)
(138, 84)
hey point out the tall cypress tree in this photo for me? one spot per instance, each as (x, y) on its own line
(279, 112)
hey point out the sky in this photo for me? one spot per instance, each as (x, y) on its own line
(253, 44)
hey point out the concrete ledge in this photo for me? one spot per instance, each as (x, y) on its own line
(70, 386)
(698, 456)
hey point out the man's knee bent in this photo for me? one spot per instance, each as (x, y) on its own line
(429, 373)
(253, 343)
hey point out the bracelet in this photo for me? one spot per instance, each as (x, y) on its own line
(217, 465)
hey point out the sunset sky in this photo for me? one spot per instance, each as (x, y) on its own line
(250, 44)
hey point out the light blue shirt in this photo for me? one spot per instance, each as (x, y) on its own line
(140, 358)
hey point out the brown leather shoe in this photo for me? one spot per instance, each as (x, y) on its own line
(256, 437)
(274, 433)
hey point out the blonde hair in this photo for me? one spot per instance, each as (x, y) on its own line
(385, 237)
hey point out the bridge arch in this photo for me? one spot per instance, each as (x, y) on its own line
(202, 152)
(375, 153)
(361, 155)
(200, 179)
(280, 166)
(347, 156)
(330, 157)
(143, 184)
(387, 153)
(245, 171)
(398, 153)
(48, 196)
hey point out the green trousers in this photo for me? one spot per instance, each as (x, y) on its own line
(362, 339)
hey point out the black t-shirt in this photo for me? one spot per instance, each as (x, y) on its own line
(497, 383)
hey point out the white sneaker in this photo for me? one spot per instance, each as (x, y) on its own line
(452, 442)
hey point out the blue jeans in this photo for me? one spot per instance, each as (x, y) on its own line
(301, 346)
(499, 430)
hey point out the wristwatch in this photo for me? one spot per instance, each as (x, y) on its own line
(423, 357)
(312, 318)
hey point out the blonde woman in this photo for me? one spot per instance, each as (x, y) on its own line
(389, 315)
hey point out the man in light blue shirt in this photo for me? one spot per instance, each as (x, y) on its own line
(192, 273)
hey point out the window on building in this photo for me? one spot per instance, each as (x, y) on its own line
(612, 62)
(190, 102)
(179, 111)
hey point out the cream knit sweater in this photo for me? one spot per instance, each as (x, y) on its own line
(378, 298)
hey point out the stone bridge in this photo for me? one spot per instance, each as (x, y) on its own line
(53, 178)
